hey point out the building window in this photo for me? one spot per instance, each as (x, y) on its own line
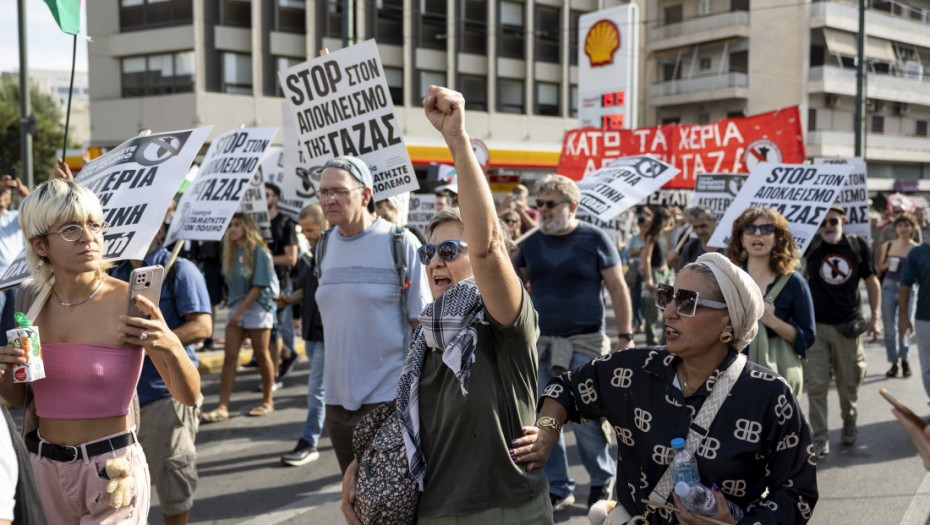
(513, 30)
(547, 99)
(673, 14)
(547, 34)
(160, 74)
(475, 90)
(395, 82)
(703, 118)
(290, 16)
(736, 114)
(705, 7)
(237, 73)
(670, 71)
(282, 63)
(573, 17)
(510, 99)
(236, 13)
(704, 64)
(389, 22)
(145, 14)
(921, 128)
(433, 24)
(330, 18)
(878, 124)
(573, 100)
(812, 119)
(427, 78)
(473, 29)
(670, 120)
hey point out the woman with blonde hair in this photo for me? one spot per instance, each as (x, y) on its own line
(762, 245)
(253, 287)
(89, 466)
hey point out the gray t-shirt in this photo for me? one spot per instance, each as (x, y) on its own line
(466, 439)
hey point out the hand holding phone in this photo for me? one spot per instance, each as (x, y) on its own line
(907, 412)
(145, 281)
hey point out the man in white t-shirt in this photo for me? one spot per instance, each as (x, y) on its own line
(359, 296)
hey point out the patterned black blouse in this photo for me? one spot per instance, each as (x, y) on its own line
(758, 450)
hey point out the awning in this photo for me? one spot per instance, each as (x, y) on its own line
(840, 42)
(879, 49)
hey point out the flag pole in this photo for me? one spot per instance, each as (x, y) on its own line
(64, 147)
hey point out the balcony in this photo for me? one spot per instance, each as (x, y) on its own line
(878, 147)
(708, 28)
(842, 81)
(716, 87)
(842, 14)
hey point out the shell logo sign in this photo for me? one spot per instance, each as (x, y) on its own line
(602, 41)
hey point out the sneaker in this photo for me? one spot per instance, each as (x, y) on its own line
(302, 454)
(893, 371)
(598, 492)
(849, 434)
(561, 503)
(274, 388)
(820, 448)
(287, 365)
(905, 368)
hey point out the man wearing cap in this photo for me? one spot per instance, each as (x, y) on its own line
(834, 266)
(359, 297)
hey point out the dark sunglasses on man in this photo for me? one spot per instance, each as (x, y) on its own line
(447, 251)
(830, 221)
(540, 204)
(686, 301)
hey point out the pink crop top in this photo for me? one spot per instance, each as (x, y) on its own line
(86, 381)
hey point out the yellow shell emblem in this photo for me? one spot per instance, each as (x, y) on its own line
(602, 41)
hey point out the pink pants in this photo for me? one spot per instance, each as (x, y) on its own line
(75, 493)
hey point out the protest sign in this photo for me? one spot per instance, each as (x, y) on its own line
(255, 203)
(854, 197)
(225, 174)
(717, 191)
(733, 145)
(299, 183)
(667, 197)
(422, 209)
(136, 182)
(622, 184)
(801, 193)
(17, 272)
(611, 227)
(343, 106)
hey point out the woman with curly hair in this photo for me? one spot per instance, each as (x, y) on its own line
(253, 287)
(762, 245)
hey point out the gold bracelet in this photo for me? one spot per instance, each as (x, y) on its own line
(550, 422)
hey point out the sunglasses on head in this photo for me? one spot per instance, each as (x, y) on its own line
(832, 221)
(447, 251)
(761, 229)
(547, 204)
(686, 301)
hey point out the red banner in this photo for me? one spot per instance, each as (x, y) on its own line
(732, 145)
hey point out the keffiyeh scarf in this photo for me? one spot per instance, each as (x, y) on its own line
(449, 325)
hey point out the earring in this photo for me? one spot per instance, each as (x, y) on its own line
(726, 337)
(40, 264)
(743, 254)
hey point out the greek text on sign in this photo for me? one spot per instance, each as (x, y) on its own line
(343, 106)
(717, 191)
(854, 197)
(801, 193)
(622, 184)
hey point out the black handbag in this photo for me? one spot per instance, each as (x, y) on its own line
(854, 328)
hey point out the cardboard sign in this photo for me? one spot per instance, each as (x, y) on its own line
(624, 183)
(300, 183)
(422, 209)
(854, 197)
(733, 145)
(255, 203)
(136, 182)
(343, 106)
(225, 176)
(717, 191)
(17, 272)
(801, 193)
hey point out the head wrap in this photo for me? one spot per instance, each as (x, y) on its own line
(742, 295)
(355, 167)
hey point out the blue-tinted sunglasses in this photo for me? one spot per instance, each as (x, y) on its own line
(447, 251)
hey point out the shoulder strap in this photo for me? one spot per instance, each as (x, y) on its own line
(777, 288)
(400, 265)
(320, 250)
(856, 246)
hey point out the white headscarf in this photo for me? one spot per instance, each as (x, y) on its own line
(742, 295)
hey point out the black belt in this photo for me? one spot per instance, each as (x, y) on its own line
(70, 454)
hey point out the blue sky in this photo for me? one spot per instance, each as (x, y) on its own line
(48, 47)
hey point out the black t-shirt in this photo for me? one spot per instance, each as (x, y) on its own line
(283, 233)
(834, 271)
(311, 323)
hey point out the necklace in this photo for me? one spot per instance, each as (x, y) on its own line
(68, 305)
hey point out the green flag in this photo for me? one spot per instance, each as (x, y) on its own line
(67, 13)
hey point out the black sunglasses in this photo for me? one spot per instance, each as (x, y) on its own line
(686, 301)
(547, 204)
(447, 251)
(761, 229)
(832, 221)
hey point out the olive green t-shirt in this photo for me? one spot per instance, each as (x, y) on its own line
(466, 439)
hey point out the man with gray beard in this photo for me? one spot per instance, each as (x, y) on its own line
(566, 265)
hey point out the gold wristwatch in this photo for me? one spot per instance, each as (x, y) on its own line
(551, 422)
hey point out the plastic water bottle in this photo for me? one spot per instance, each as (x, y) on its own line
(684, 466)
(700, 500)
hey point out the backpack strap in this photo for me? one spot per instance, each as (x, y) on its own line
(400, 266)
(776, 289)
(320, 250)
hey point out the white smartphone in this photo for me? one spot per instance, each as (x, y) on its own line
(145, 281)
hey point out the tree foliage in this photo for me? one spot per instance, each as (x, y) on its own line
(49, 129)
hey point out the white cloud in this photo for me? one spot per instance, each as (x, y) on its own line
(48, 47)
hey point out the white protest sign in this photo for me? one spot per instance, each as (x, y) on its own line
(854, 197)
(17, 272)
(802, 193)
(611, 227)
(622, 184)
(299, 183)
(136, 182)
(717, 190)
(422, 209)
(255, 203)
(671, 197)
(343, 107)
(225, 174)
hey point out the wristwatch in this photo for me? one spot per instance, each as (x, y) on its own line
(628, 336)
(548, 421)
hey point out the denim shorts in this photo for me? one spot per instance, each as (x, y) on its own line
(255, 316)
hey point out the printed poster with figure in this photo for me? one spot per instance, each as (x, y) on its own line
(717, 191)
(342, 106)
(854, 197)
(622, 184)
